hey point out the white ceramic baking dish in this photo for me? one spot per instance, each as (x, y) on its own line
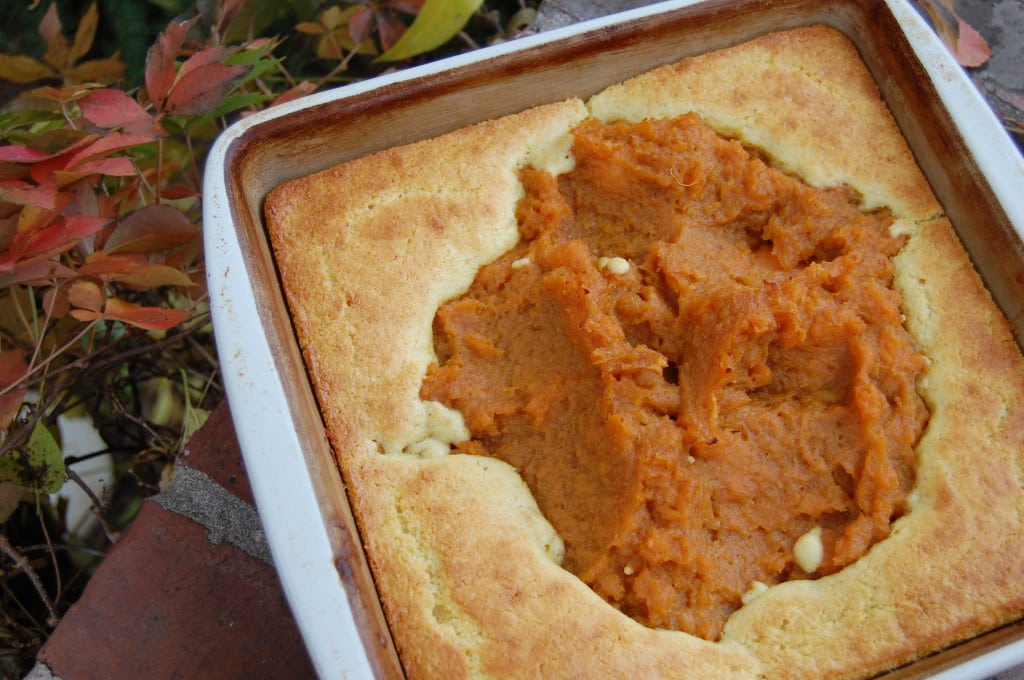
(969, 159)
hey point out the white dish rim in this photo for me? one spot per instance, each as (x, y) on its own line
(280, 481)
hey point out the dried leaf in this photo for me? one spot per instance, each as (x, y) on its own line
(18, 68)
(968, 47)
(86, 294)
(36, 273)
(202, 89)
(104, 71)
(160, 61)
(438, 22)
(972, 50)
(10, 498)
(55, 302)
(147, 318)
(13, 369)
(112, 167)
(334, 16)
(132, 270)
(389, 30)
(152, 229)
(38, 466)
(84, 34)
(360, 24)
(310, 28)
(52, 32)
(412, 7)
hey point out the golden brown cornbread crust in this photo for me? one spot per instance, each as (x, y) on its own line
(465, 564)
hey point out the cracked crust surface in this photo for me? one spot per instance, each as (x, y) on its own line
(466, 565)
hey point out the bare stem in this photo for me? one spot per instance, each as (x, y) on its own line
(22, 563)
(112, 535)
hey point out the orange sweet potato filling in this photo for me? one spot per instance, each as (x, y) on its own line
(685, 413)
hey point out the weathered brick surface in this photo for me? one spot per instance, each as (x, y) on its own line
(168, 603)
(214, 451)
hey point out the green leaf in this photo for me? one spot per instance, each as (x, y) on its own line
(38, 466)
(437, 23)
(232, 103)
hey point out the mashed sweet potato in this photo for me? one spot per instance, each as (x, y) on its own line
(694, 360)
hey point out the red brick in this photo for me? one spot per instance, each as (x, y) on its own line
(165, 603)
(214, 450)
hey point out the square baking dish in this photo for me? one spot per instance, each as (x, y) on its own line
(973, 167)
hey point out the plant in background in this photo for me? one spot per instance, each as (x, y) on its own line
(103, 307)
(102, 297)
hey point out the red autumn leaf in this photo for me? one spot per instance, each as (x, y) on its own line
(300, 90)
(147, 318)
(12, 370)
(152, 229)
(360, 24)
(112, 167)
(187, 255)
(22, 154)
(202, 89)
(36, 273)
(111, 108)
(174, 192)
(109, 143)
(389, 29)
(211, 55)
(22, 193)
(160, 61)
(42, 171)
(55, 237)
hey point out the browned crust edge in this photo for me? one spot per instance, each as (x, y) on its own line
(466, 565)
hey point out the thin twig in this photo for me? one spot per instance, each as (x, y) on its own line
(112, 535)
(22, 563)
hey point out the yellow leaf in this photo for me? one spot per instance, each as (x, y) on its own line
(310, 28)
(85, 34)
(438, 22)
(338, 44)
(38, 466)
(98, 70)
(333, 16)
(21, 69)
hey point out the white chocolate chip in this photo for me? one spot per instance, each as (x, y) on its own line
(808, 550)
(756, 588)
(614, 265)
(627, 570)
(520, 263)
